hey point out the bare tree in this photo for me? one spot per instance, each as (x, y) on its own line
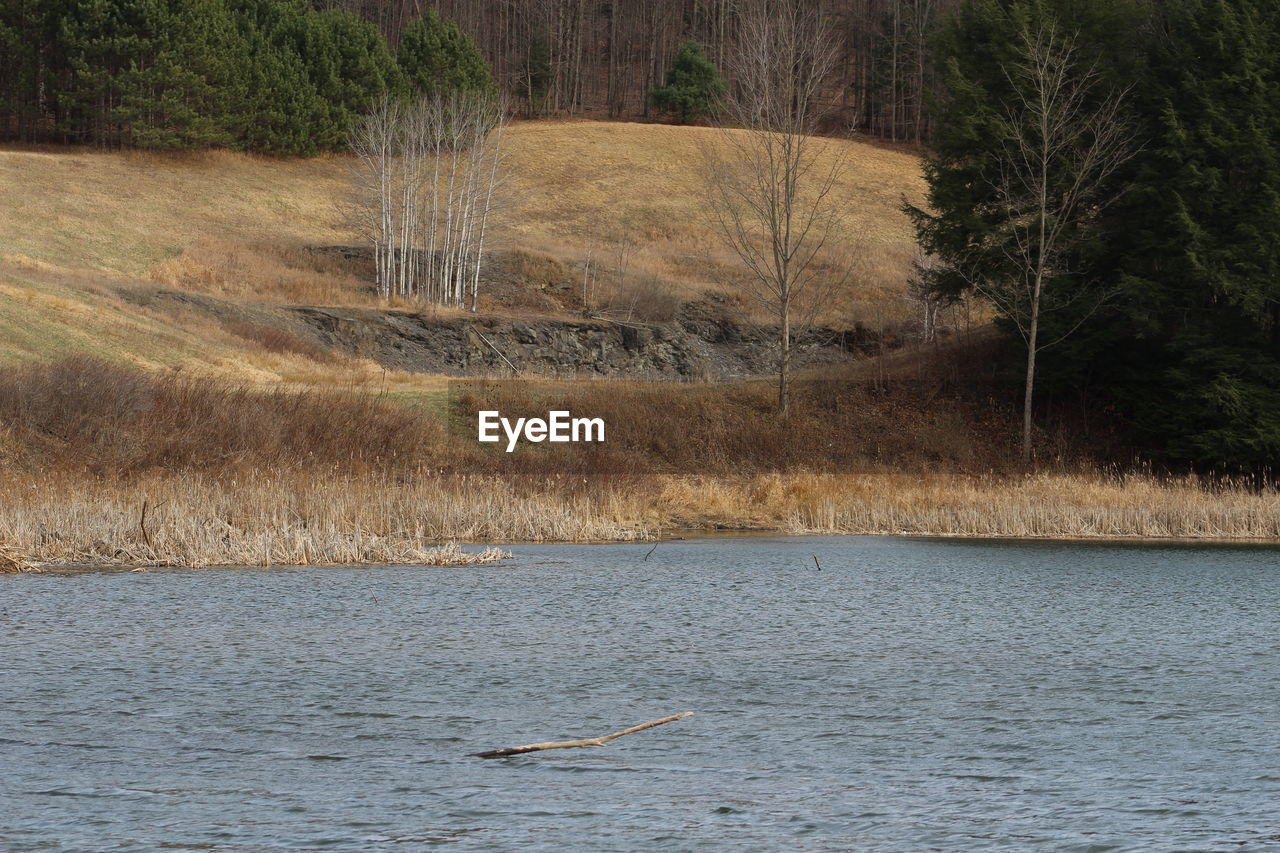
(375, 143)
(771, 180)
(426, 177)
(1061, 142)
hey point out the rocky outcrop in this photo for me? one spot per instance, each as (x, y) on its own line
(693, 348)
(705, 342)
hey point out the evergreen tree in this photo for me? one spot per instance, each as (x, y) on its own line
(140, 72)
(1036, 257)
(693, 87)
(1198, 243)
(27, 38)
(436, 57)
(350, 66)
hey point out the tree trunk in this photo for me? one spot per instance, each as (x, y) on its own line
(1033, 332)
(784, 364)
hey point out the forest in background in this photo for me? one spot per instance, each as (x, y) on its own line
(606, 56)
(288, 77)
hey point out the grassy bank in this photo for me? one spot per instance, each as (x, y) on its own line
(108, 466)
(314, 520)
(1029, 506)
(306, 518)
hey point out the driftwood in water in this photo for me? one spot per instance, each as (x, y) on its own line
(588, 741)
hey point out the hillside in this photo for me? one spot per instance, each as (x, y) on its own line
(83, 225)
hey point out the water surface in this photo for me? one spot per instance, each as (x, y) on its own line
(913, 695)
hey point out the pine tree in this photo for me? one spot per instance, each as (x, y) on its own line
(26, 40)
(1198, 243)
(693, 87)
(351, 65)
(436, 57)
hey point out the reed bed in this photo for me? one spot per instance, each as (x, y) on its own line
(103, 465)
(307, 519)
(1050, 506)
(293, 519)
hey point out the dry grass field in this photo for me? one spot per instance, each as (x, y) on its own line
(572, 185)
(79, 222)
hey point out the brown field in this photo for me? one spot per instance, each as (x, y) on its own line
(79, 224)
(572, 185)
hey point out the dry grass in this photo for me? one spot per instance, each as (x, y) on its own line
(724, 429)
(81, 414)
(587, 186)
(1051, 506)
(260, 519)
(305, 519)
(235, 224)
(88, 415)
(264, 272)
(275, 339)
(107, 466)
(127, 211)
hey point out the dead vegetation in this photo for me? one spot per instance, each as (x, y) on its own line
(107, 466)
(265, 272)
(237, 225)
(88, 415)
(259, 518)
(304, 518)
(1023, 506)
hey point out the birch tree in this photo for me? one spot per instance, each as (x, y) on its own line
(427, 175)
(375, 144)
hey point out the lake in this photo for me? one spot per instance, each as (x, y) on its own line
(912, 695)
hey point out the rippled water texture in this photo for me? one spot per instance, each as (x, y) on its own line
(912, 695)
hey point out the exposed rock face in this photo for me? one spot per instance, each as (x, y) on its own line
(690, 349)
(704, 343)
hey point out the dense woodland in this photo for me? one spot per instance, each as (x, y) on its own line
(1164, 287)
(285, 76)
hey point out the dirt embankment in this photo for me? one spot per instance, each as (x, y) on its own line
(704, 342)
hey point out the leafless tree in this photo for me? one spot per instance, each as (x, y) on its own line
(376, 145)
(771, 180)
(1062, 141)
(426, 179)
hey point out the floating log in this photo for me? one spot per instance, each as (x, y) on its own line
(567, 744)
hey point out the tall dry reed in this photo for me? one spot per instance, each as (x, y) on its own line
(1033, 506)
(293, 518)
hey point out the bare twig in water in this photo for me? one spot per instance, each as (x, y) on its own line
(815, 561)
(649, 553)
(566, 744)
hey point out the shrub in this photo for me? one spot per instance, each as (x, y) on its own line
(693, 87)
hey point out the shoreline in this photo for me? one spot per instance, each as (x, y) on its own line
(304, 518)
(487, 556)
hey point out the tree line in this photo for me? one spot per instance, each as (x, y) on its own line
(1107, 172)
(274, 76)
(607, 57)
